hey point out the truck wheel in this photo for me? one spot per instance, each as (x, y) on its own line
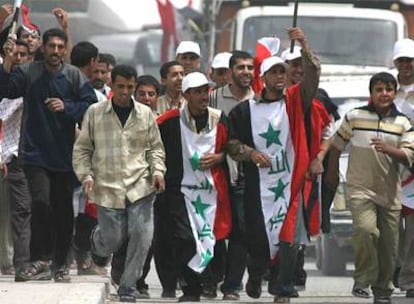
(333, 261)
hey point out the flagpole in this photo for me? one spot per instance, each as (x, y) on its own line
(17, 4)
(295, 19)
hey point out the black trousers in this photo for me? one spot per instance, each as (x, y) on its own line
(236, 259)
(20, 207)
(52, 214)
(164, 244)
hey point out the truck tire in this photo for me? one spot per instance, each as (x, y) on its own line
(333, 262)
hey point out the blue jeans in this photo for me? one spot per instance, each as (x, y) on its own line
(115, 226)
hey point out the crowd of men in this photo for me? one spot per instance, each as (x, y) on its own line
(102, 166)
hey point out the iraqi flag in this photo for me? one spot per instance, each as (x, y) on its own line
(204, 192)
(265, 47)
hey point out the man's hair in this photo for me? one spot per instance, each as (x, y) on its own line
(149, 80)
(20, 42)
(165, 68)
(383, 77)
(21, 29)
(107, 58)
(54, 32)
(82, 53)
(236, 55)
(125, 71)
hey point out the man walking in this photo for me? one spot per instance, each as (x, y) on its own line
(119, 159)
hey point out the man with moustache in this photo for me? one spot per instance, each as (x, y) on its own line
(225, 98)
(56, 95)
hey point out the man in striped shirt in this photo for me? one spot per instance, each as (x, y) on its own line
(381, 138)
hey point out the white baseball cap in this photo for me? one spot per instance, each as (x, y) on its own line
(221, 60)
(194, 80)
(269, 62)
(403, 48)
(188, 47)
(287, 55)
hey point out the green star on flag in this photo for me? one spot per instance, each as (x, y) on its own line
(271, 136)
(200, 207)
(206, 258)
(279, 190)
(195, 161)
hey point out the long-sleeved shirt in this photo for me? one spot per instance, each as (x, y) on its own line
(375, 175)
(47, 137)
(121, 161)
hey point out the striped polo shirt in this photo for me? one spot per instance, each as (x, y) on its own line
(374, 175)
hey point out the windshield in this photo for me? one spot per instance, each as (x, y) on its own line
(344, 41)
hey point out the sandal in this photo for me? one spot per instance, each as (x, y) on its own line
(361, 292)
(38, 271)
(61, 276)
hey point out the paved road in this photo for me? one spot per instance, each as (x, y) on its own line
(97, 290)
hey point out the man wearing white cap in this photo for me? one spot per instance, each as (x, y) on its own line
(403, 55)
(188, 54)
(196, 195)
(220, 73)
(268, 135)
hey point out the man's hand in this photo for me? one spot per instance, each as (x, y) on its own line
(55, 104)
(158, 183)
(296, 33)
(315, 168)
(260, 159)
(3, 167)
(210, 160)
(88, 186)
(61, 17)
(380, 145)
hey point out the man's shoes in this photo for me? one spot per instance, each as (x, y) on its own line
(100, 261)
(61, 276)
(231, 296)
(209, 291)
(361, 292)
(382, 300)
(189, 298)
(35, 271)
(254, 288)
(143, 293)
(409, 293)
(167, 294)
(7, 270)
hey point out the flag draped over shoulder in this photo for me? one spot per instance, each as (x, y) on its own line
(265, 47)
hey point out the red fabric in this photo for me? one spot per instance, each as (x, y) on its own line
(319, 120)
(167, 115)
(265, 47)
(222, 223)
(166, 11)
(90, 208)
(302, 159)
(26, 22)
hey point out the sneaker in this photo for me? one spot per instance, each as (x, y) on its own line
(209, 291)
(7, 270)
(409, 293)
(100, 261)
(143, 293)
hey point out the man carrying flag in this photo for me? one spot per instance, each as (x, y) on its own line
(269, 136)
(196, 181)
